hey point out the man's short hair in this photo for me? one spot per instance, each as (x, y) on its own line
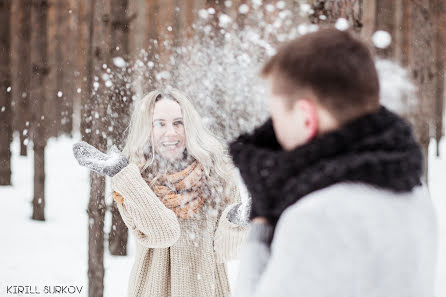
(334, 65)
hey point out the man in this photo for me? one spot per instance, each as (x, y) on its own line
(338, 204)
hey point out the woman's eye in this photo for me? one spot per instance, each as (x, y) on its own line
(158, 124)
(177, 123)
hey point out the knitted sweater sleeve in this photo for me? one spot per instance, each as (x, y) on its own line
(228, 236)
(152, 224)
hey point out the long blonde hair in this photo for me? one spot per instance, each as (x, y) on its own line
(204, 147)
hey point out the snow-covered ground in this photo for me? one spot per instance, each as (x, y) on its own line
(54, 252)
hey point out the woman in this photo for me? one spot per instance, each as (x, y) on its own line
(177, 193)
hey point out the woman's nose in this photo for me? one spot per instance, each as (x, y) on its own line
(170, 130)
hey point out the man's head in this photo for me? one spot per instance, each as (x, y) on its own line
(319, 82)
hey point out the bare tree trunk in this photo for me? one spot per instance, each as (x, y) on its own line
(38, 98)
(385, 20)
(23, 78)
(64, 72)
(87, 112)
(439, 9)
(83, 25)
(151, 45)
(166, 21)
(329, 11)
(5, 93)
(120, 107)
(420, 61)
(98, 138)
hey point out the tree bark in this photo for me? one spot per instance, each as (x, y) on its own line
(65, 80)
(21, 92)
(87, 83)
(385, 21)
(38, 99)
(439, 9)
(120, 107)
(98, 138)
(420, 61)
(5, 93)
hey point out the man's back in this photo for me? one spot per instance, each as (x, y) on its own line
(354, 240)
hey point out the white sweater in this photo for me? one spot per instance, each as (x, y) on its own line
(174, 257)
(349, 240)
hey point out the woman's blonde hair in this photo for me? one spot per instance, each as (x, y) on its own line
(204, 147)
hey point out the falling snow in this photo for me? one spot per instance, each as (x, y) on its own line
(381, 39)
(119, 62)
(243, 9)
(342, 24)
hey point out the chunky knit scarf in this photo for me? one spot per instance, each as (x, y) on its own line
(180, 191)
(378, 149)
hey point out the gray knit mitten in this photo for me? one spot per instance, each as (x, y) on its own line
(239, 214)
(104, 164)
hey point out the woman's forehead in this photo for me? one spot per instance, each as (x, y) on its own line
(167, 110)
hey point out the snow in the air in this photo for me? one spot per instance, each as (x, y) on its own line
(119, 62)
(381, 39)
(243, 9)
(341, 24)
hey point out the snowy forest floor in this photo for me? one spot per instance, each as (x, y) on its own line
(55, 252)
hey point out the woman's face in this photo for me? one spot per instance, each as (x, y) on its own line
(169, 137)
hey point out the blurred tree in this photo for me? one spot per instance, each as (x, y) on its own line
(380, 15)
(86, 18)
(418, 52)
(100, 47)
(37, 102)
(120, 100)
(65, 66)
(23, 77)
(329, 11)
(439, 10)
(5, 93)
(54, 58)
(419, 49)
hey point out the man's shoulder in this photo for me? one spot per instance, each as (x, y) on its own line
(361, 201)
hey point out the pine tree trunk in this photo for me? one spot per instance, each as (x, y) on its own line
(54, 56)
(439, 9)
(38, 98)
(64, 72)
(23, 78)
(82, 20)
(420, 61)
(385, 20)
(152, 32)
(98, 103)
(87, 112)
(5, 93)
(120, 106)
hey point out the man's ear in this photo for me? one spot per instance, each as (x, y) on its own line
(311, 121)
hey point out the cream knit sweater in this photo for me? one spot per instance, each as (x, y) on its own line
(174, 257)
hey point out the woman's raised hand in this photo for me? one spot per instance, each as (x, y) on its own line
(104, 164)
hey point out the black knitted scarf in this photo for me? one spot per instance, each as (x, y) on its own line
(378, 149)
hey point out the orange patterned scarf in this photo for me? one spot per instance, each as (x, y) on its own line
(179, 191)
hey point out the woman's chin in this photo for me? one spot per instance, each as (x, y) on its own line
(173, 155)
